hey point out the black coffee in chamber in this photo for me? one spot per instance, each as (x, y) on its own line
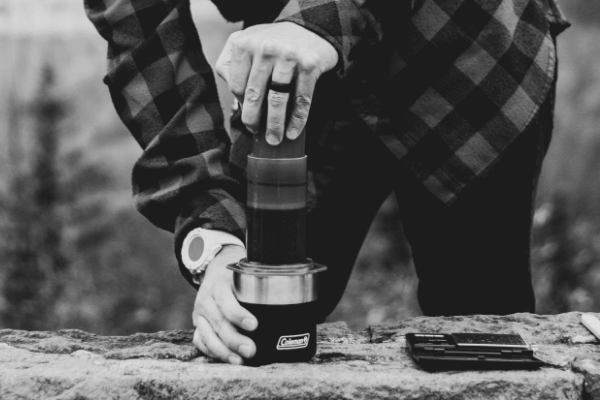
(276, 236)
(276, 211)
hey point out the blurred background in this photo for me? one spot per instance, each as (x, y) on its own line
(74, 253)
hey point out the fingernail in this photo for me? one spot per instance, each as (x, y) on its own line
(235, 360)
(249, 324)
(293, 134)
(272, 139)
(245, 350)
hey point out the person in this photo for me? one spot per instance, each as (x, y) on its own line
(446, 102)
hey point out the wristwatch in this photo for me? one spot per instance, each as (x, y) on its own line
(201, 246)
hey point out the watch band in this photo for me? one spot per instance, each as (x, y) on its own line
(201, 246)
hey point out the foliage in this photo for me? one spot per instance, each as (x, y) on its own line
(31, 253)
(566, 259)
(75, 254)
(69, 259)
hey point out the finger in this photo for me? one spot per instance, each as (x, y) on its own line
(277, 101)
(201, 299)
(223, 64)
(241, 64)
(226, 331)
(234, 312)
(194, 318)
(207, 339)
(199, 343)
(305, 87)
(254, 93)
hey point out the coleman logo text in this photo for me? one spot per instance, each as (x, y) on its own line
(293, 342)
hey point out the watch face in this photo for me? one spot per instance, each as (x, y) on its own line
(196, 248)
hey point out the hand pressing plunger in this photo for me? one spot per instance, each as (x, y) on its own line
(278, 61)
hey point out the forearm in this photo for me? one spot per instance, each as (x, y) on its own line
(164, 91)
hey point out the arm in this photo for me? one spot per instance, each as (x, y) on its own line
(164, 91)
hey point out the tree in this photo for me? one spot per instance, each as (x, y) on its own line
(31, 254)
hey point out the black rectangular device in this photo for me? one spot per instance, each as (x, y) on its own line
(447, 351)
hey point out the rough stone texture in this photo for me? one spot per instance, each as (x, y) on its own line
(75, 365)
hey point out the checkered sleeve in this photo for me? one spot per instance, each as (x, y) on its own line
(164, 91)
(353, 27)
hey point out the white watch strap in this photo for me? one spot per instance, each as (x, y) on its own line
(201, 246)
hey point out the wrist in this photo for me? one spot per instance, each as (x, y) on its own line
(233, 248)
(202, 246)
(229, 254)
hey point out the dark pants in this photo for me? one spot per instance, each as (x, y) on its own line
(472, 257)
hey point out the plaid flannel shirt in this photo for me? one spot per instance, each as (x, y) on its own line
(446, 84)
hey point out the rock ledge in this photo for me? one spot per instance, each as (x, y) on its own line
(76, 365)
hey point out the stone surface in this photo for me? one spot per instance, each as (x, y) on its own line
(75, 365)
(589, 366)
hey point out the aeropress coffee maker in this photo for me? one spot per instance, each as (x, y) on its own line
(276, 282)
